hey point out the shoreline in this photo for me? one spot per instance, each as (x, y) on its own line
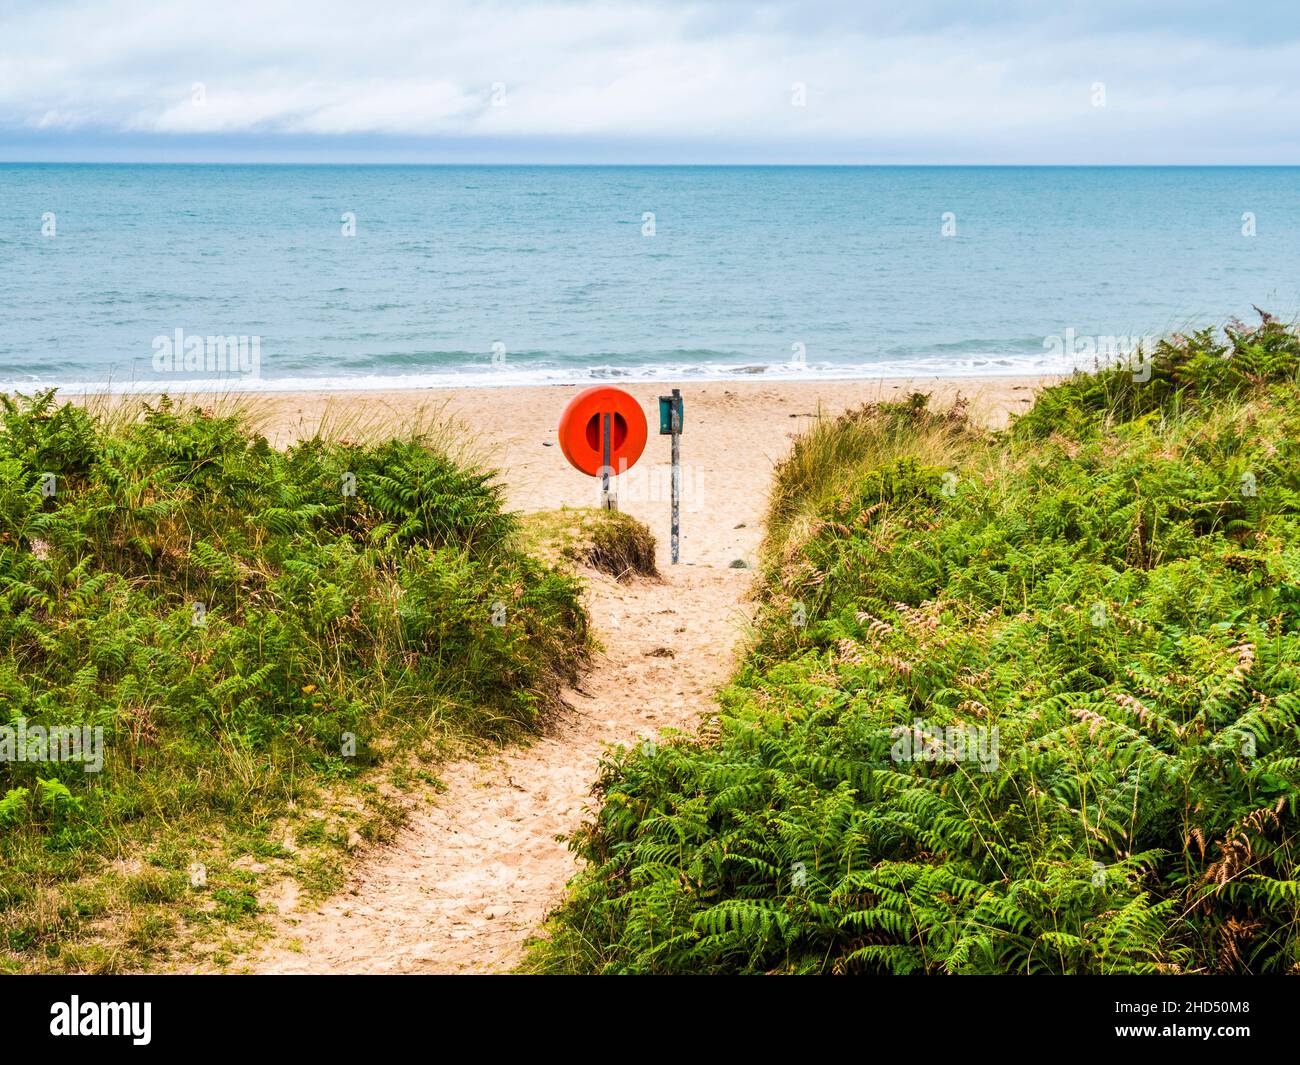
(473, 378)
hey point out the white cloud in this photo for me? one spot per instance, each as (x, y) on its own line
(927, 80)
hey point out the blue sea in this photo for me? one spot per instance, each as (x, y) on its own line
(394, 276)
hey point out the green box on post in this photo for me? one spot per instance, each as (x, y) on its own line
(666, 414)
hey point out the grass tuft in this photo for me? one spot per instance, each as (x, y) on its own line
(610, 542)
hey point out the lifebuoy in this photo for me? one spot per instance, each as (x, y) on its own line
(582, 430)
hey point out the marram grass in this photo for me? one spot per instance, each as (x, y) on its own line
(1024, 702)
(249, 627)
(608, 541)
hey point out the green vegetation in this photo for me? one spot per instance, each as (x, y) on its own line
(252, 629)
(606, 540)
(1101, 605)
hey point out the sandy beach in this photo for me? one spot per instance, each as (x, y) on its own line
(734, 432)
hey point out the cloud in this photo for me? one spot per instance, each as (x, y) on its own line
(918, 81)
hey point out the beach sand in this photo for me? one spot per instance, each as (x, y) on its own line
(476, 866)
(734, 431)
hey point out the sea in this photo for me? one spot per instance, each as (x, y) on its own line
(282, 277)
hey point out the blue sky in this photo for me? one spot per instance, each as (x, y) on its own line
(711, 82)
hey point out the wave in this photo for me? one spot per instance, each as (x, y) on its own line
(477, 375)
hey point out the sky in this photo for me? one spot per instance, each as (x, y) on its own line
(907, 81)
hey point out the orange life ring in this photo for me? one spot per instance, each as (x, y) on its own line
(582, 430)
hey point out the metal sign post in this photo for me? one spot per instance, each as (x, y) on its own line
(670, 422)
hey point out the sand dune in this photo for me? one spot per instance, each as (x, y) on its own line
(475, 869)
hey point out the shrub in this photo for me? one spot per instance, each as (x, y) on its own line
(1036, 712)
(228, 613)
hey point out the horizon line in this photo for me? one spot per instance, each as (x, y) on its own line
(660, 165)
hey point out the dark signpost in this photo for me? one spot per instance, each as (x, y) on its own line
(670, 423)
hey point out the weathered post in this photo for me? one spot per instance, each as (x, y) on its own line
(670, 422)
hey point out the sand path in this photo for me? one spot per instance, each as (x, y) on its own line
(474, 870)
(470, 878)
